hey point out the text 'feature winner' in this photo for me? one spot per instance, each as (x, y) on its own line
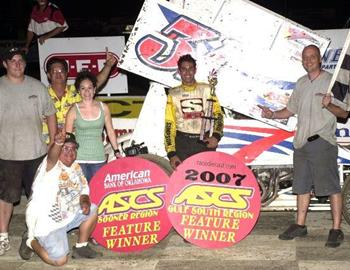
(130, 194)
(214, 200)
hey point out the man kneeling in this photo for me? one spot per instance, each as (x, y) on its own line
(59, 203)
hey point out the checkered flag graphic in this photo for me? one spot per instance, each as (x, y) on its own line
(55, 213)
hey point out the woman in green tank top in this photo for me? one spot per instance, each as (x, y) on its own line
(87, 119)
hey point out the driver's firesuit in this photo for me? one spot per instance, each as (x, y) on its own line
(186, 105)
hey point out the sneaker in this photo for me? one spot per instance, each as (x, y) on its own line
(93, 242)
(4, 245)
(25, 252)
(293, 231)
(85, 252)
(335, 238)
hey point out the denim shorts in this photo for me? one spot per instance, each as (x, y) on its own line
(89, 169)
(56, 242)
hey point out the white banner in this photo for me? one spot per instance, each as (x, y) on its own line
(150, 123)
(89, 53)
(257, 53)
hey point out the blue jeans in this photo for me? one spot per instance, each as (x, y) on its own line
(89, 169)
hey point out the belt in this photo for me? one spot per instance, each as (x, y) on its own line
(313, 138)
(187, 135)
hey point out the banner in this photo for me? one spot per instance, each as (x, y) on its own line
(88, 53)
(339, 84)
(257, 62)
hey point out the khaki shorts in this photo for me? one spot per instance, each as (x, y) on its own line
(315, 167)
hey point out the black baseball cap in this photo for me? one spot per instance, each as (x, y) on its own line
(70, 138)
(8, 54)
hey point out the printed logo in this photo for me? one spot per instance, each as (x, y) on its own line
(130, 195)
(192, 108)
(182, 35)
(214, 200)
(92, 61)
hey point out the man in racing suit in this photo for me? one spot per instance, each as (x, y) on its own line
(184, 111)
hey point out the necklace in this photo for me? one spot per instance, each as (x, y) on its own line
(319, 73)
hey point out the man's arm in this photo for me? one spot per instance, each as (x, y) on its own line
(55, 150)
(336, 110)
(103, 75)
(269, 114)
(170, 128)
(170, 133)
(52, 126)
(51, 34)
(29, 39)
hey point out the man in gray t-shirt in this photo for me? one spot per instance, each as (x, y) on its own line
(24, 102)
(315, 149)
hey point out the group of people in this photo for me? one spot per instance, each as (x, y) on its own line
(37, 143)
(25, 106)
(315, 147)
(85, 117)
(64, 159)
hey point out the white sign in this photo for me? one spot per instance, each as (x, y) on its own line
(85, 53)
(150, 124)
(257, 53)
(332, 54)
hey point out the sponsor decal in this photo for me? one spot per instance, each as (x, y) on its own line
(93, 61)
(182, 35)
(124, 107)
(214, 200)
(330, 59)
(130, 194)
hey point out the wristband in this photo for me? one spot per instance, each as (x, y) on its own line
(116, 151)
(59, 144)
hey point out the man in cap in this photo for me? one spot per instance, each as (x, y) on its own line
(24, 101)
(59, 203)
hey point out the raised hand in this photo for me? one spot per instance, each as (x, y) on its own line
(111, 60)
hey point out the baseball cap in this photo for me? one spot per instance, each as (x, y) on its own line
(8, 54)
(70, 138)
